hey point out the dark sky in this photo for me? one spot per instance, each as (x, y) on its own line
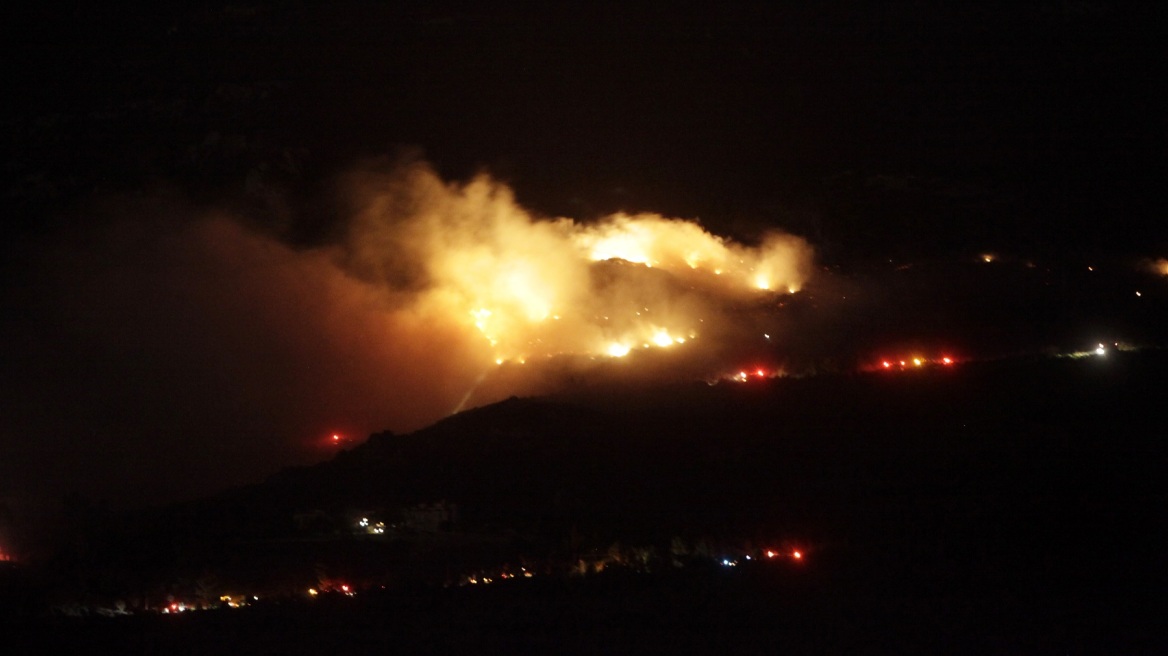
(150, 355)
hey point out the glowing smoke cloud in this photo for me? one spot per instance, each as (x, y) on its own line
(469, 256)
(212, 349)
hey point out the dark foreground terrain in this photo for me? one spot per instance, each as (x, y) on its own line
(1013, 506)
(829, 607)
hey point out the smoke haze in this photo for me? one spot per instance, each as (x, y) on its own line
(193, 350)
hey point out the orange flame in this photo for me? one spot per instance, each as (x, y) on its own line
(531, 287)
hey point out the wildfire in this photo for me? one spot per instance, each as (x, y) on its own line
(529, 287)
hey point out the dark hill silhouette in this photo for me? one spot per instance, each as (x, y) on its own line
(837, 457)
(997, 501)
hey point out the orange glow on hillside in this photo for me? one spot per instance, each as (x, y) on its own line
(530, 287)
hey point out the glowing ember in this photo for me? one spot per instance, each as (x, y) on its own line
(661, 338)
(618, 350)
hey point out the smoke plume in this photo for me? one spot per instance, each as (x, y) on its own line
(193, 351)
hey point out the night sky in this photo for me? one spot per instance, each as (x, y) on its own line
(179, 182)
